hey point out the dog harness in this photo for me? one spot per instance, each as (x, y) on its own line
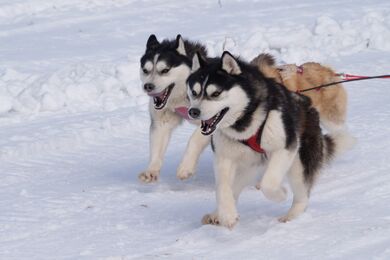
(254, 141)
(300, 69)
(300, 72)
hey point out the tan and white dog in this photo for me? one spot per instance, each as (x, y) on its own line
(331, 102)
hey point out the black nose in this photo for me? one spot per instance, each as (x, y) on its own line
(194, 112)
(149, 87)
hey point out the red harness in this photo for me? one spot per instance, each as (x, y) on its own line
(254, 141)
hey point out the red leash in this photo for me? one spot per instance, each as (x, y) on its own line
(346, 78)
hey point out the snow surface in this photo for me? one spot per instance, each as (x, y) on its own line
(74, 132)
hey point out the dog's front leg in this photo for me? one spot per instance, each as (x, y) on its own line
(195, 147)
(280, 157)
(271, 184)
(225, 171)
(160, 133)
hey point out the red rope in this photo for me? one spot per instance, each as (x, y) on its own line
(346, 78)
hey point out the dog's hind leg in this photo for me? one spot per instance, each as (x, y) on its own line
(300, 189)
(160, 133)
(195, 147)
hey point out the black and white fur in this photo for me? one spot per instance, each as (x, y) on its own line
(233, 99)
(165, 67)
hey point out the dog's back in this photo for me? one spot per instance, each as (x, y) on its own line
(266, 64)
(330, 102)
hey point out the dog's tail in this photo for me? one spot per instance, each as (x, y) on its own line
(265, 63)
(337, 143)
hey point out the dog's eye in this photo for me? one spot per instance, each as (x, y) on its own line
(145, 71)
(216, 94)
(193, 92)
(165, 71)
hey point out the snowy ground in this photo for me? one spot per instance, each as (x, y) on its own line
(74, 132)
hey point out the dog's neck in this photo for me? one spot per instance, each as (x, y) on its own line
(256, 120)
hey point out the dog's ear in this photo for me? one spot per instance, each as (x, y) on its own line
(230, 64)
(152, 42)
(180, 47)
(196, 62)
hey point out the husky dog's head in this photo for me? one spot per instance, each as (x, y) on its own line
(164, 68)
(219, 92)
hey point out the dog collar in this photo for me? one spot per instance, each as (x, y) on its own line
(254, 141)
(300, 69)
(183, 112)
(300, 72)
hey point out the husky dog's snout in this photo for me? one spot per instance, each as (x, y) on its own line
(194, 112)
(148, 87)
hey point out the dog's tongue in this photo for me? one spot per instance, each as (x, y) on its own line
(183, 112)
(159, 98)
(209, 121)
(159, 95)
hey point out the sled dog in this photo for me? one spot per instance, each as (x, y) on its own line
(165, 67)
(262, 133)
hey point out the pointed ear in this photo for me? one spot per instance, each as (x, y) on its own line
(152, 42)
(180, 47)
(195, 62)
(230, 64)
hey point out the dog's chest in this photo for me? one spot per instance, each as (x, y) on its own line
(236, 151)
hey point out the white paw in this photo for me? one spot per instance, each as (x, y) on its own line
(228, 219)
(286, 218)
(184, 172)
(277, 194)
(149, 176)
(210, 219)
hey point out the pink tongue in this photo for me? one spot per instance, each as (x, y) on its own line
(183, 112)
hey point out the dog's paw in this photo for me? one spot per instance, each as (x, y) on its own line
(286, 218)
(210, 219)
(149, 176)
(228, 219)
(184, 172)
(277, 194)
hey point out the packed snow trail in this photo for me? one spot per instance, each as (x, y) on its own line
(74, 133)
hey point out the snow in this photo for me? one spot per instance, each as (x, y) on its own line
(74, 132)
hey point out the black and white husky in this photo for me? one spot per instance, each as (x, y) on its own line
(256, 123)
(165, 68)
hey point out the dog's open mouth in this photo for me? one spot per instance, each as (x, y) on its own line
(208, 126)
(160, 99)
